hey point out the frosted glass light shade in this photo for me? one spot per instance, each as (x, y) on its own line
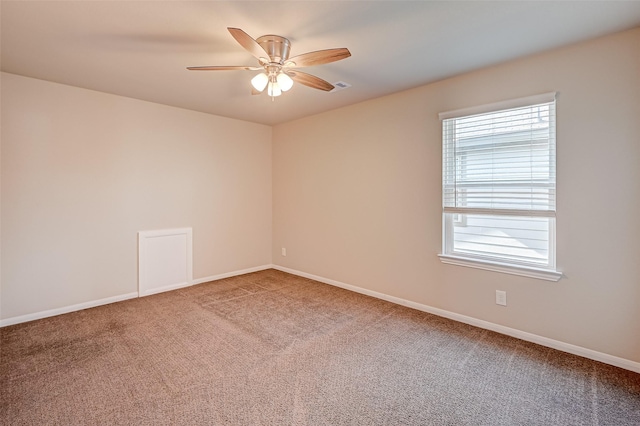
(284, 81)
(259, 82)
(273, 89)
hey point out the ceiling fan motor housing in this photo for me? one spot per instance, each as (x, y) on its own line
(277, 47)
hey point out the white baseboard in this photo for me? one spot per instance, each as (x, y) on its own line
(91, 304)
(231, 274)
(163, 289)
(66, 309)
(523, 335)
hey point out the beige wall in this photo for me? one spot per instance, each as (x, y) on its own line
(357, 197)
(83, 172)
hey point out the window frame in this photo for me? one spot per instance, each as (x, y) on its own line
(448, 256)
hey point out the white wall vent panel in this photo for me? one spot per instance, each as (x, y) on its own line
(164, 260)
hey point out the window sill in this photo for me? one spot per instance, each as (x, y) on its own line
(525, 271)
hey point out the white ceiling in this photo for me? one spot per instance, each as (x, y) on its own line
(140, 49)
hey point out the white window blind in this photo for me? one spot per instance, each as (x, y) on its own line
(499, 182)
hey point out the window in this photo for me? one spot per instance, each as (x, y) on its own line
(499, 187)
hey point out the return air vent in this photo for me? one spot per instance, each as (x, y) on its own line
(164, 260)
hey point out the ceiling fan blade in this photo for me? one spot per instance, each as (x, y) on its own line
(319, 57)
(222, 68)
(249, 44)
(310, 80)
(255, 92)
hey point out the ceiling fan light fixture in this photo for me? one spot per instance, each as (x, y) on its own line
(273, 89)
(259, 82)
(284, 81)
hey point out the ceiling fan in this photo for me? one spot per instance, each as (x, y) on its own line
(279, 71)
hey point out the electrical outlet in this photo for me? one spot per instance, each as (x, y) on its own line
(284, 251)
(501, 297)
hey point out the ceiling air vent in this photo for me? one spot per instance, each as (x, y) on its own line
(340, 85)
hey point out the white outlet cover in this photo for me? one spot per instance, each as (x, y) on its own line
(501, 298)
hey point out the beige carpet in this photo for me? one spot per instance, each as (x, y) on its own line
(270, 348)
